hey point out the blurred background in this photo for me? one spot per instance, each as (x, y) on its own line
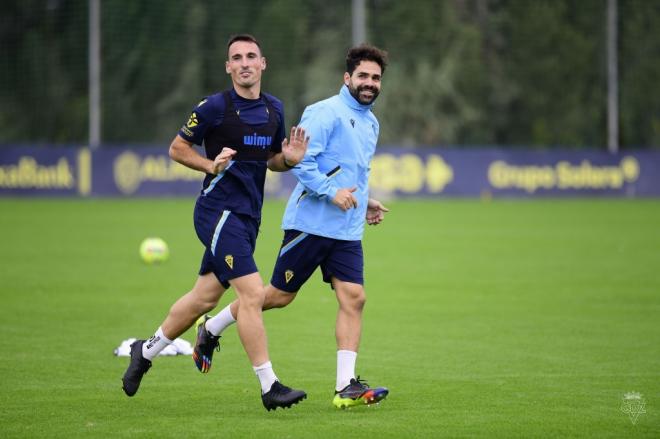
(510, 76)
(462, 72)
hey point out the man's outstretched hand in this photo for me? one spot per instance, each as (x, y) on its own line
(375, 212)
(294, 149)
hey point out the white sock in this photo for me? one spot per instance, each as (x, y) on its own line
(345, 368)
(216, 325)
(266, 376)
(155, 344)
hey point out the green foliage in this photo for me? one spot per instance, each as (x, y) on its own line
(428, 88)
(43, 71)
(462, 72)
(639, 70)
(554, 57)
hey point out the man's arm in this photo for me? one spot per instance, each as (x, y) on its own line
(182, 151)
(320, 125)
(292, 152)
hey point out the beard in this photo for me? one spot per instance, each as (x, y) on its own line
(356, 91)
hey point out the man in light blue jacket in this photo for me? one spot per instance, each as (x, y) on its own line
(325, 216)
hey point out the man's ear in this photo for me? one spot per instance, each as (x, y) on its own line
(347, 78)
(263, 63)
(227, 67)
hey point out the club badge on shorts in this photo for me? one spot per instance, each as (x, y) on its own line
(229, 259)
(288, 275)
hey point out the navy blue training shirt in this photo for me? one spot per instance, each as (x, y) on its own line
(255, 128)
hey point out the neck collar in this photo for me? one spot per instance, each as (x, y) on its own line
(349, 100)
(236, 93)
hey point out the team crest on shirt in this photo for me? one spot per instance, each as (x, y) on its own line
(192, 120)
(229, 259)
(288, 275)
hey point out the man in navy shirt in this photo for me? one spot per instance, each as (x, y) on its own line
(242, 131)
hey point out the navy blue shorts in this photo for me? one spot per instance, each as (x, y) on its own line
(301, 253)
(229, 239)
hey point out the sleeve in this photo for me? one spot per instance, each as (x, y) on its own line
(198, 123)
(319, 128)
(276, 146)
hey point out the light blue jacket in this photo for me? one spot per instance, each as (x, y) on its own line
(343, 135)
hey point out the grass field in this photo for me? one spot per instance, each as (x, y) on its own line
(485, 319)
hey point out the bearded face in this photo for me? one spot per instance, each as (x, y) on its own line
(364, 82)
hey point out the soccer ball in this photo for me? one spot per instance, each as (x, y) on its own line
(154, 250)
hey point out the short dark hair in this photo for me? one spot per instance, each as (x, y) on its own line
(242, 37)
(365, 52)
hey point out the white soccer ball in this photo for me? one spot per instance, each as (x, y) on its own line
(154, 250)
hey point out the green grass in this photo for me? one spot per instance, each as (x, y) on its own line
(500, 319)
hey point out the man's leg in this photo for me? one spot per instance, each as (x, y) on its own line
(250, 293)
(202, 298)
(351, 298)
(275, 298)
(209, 329)
(298, 258)
(348, 330)
(351, 391)
(249, 322)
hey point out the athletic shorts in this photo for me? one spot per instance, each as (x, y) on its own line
(301, 253)
(229, 239)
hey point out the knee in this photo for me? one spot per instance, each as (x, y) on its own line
(207, 299)
(206, 305)
(252, 299)
(354, 298)
(205, 294)
(198, 305)
(204, 301)
(277, 299)
(360, 300)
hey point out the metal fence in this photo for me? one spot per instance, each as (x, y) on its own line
(462, 72)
